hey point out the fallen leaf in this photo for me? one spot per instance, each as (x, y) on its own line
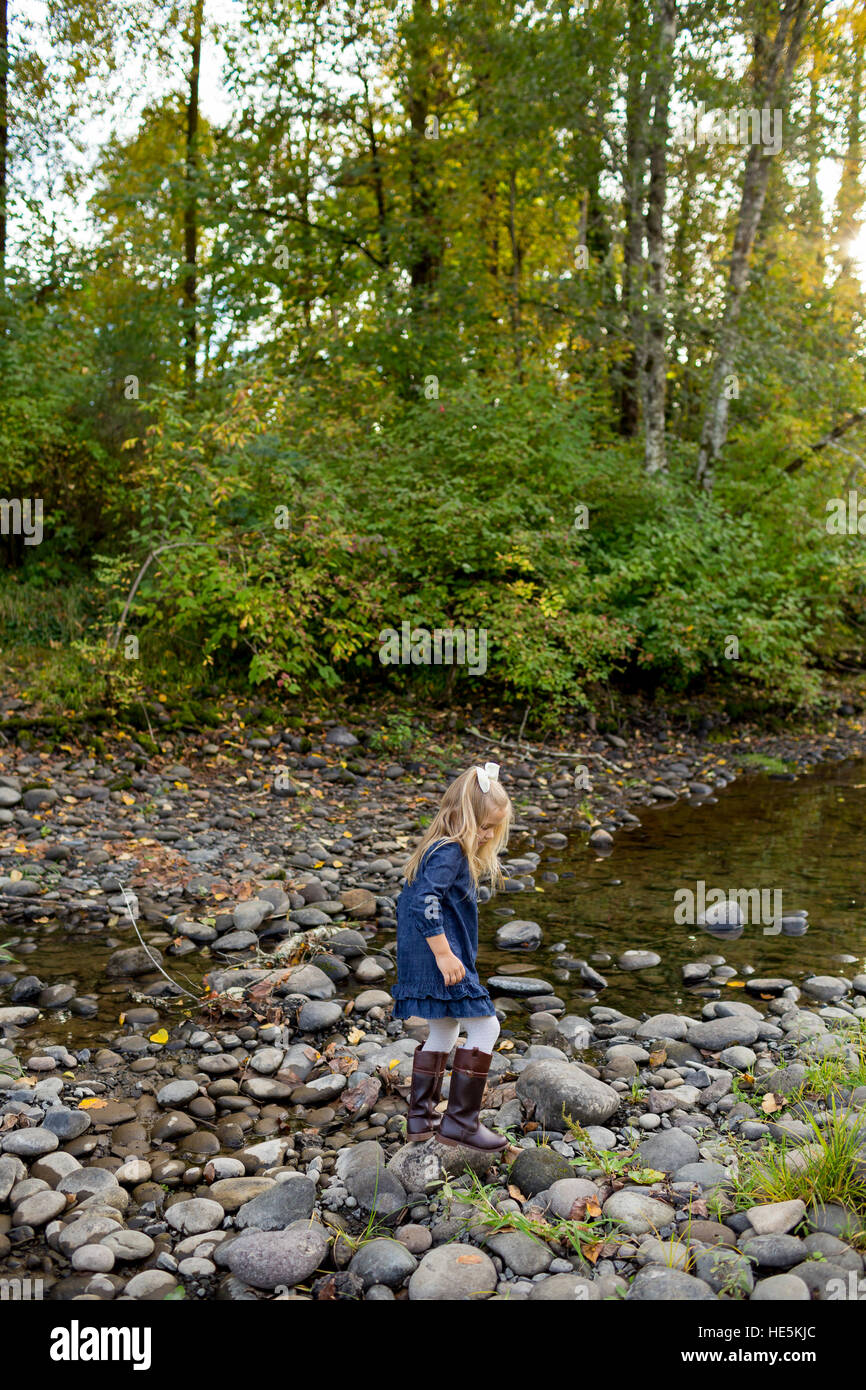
(514, 1191)
(469, 1259)
(92, 1103)
(657, 1058)
(160, 1036)
(772, 1102)
(592, 1252)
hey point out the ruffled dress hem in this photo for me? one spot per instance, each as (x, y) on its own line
(428, 1006)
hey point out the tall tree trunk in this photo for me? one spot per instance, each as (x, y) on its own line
(777, 60)
(849, 199)
(633, 257)
(4, 135)
(190, 210)
(516, 264)
(655, 459)
(376, 175)
(425, 242)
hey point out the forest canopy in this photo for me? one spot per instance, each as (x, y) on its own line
(540, 319)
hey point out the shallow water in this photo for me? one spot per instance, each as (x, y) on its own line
(805, 839)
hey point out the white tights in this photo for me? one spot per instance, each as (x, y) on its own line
(480, 1032)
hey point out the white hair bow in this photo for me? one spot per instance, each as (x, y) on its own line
(487, 774)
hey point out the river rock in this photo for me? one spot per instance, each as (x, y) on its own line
(553, 1087)
(39, 1209)
(383, 1262)
(359, 902)
(29, 1143)
(657, 1283)
(177, 1093)
(268, 1258)
(453, 1273)
(776, 1218)
(232, 1193)
(668, 1150)
(518, 933)
(195, 1216)
(637, 1213)
(718, 1033)
(520, 1252)
(537, 1169)
(279, 1207)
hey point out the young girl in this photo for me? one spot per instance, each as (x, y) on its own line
(437, 942)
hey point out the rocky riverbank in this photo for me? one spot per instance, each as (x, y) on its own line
(216, 1110)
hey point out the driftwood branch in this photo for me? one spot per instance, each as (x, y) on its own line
(569, 757)
(172, 545)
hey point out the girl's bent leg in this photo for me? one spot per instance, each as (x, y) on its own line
(481, 1032)
(442, 1035)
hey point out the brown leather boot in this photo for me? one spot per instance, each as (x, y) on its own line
(428, 1069)
(460, 1121)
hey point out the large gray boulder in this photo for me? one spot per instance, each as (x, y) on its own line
(553, 1087)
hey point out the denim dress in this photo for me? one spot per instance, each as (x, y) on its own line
(442, 898)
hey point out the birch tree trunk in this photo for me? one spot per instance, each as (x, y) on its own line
(4, 135)
(637, 108)
(425, 246)
(190, 210)
(655, 364)
(770, 87)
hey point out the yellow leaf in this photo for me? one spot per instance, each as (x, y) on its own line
(506, 1046)
(127, 799)
(736, 984)
(160, 1036)
(16, 875)
(656, 1059)
(121, 1018)
(514, 1191)
(354, 1036)
(395, 1063)
(92, 1103)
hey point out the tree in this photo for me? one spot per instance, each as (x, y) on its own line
(774, 62)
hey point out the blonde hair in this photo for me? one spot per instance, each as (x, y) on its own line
(461, 814)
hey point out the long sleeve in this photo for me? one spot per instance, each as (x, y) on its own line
(438, 871)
